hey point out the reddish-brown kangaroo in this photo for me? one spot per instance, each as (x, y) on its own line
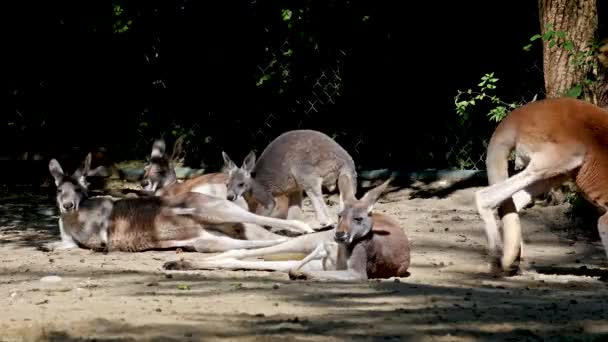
(554, 140)
(365, 244)
(160, 178)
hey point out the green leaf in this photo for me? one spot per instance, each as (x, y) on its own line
(535, 37)
(262, 80)
(569, 46)
(560, 34)
(552, 43)
(183, 287)
(575, 91)
(286, 14)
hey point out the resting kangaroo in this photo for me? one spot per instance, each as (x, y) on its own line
(554, 140)
(191, 220)
(296, 161)
(369, 245)
(162, 173)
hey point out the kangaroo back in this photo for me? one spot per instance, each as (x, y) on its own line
(302, 151)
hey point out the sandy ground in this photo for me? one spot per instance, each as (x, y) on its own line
(448, 296)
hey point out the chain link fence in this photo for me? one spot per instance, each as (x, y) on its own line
(453, 146)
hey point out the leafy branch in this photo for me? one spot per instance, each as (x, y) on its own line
(465, 101)
(581, 59)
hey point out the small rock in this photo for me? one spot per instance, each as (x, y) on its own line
(446, 229)
(457, 218)
(432, 230)
(397, 280)
(275, 286)
(50, 279)
(158, 310)
(46, 301)
(260, 315)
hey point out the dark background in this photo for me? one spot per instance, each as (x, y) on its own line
(384, 86)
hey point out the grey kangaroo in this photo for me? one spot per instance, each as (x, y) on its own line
(296, 161)
(160, 170)
(192, 221)
(365, 245)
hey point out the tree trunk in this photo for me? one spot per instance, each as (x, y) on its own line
(578, 20)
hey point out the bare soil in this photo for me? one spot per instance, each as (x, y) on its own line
(449, 295)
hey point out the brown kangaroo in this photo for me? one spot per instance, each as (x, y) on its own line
(365, 245)
(160, 172)
(554, 140)
(190, 220)
(296, 161)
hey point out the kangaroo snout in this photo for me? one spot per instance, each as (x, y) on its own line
(231, 197)
(341, 236)
(67, 206)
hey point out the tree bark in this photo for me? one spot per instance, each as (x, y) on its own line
(578, 20)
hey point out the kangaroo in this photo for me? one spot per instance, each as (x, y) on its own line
(296, 161)
(365, 245)
(192, 221)
(213, 184)
(554, 140)
(160, 171)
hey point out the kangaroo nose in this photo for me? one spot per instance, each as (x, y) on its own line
(145, 182)
(230, 197)
(340, 236)
(68, 205)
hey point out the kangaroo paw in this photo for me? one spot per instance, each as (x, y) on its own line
(178, 265)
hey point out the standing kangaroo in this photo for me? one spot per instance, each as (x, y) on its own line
(189, 220)
(554, 140)
(296, 161)
(367, 245)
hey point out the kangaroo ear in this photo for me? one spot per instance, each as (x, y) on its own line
(56, 171)
(249, 162)
(371, 197)
(228, 163)
(345, 186)
(178, 148)
(83, 171)
(158, 149)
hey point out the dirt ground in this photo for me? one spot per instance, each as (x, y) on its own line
(448, 296)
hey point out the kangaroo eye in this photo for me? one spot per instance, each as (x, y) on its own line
(241, 185)
(358, 219)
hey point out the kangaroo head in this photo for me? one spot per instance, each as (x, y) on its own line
(355, 219)
(239, 178)
(160, 170)
(71, 189)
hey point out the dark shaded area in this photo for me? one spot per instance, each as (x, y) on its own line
(460, 312)
(73, 82)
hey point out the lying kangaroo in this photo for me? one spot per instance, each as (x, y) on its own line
(296, 161)
(369, 245)
(162, 174)
(191, 220)
(554, 140)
